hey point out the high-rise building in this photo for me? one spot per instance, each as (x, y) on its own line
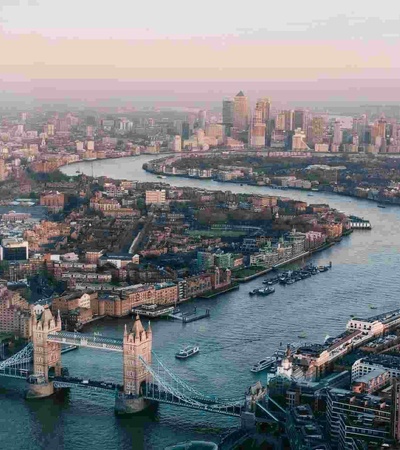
(185, 130)
(337, 133)
(289, 120)
(299, 141)
(241, 112)
(2, 170)
(317, 130)
(177, 144)
(264, 104)
(202, 119)
(299, 119)
(215, 130)
(280, 122)
(257, 129)
(228, 108)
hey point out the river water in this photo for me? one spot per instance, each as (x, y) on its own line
(240, 331)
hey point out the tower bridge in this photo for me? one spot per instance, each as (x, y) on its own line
(145, 377)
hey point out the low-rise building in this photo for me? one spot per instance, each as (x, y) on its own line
(371, 382)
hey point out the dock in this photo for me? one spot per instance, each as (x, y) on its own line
(359, 223)
(153, 310)
(189, 316)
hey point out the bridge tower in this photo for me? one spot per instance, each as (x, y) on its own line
(46, 354)
(137, 343)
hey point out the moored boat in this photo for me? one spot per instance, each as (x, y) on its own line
(263, 364)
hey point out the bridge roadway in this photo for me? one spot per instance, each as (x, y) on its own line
(85, 340)
(68, 382)
(14, 372)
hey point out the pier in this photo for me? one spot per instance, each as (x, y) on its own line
(189, 316)
(358, 223)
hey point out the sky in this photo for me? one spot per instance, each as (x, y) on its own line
(178, 50)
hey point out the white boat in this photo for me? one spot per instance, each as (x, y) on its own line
(187, 352)
(263, 364)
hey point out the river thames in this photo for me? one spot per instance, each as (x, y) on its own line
(240, 331)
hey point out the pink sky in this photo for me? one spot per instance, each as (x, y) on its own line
(53, 49)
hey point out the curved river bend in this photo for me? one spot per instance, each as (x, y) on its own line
(240, 331)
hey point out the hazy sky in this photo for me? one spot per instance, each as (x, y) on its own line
(196, 42)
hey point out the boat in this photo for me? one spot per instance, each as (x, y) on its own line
(373, 307)
(162, 177)
(266, 291)
(253, 292)
(263, 364)
(302, 335)
(381, 206)
(187, 352)
(326, 338)
(290, 281)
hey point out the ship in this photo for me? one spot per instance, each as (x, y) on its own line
(263, 364)
(187, 352)
(381, 206)
(266, 291)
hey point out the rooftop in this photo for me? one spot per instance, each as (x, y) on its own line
(370, 376)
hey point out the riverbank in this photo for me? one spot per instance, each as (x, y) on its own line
(217, 292)
(270, 269)
(311, 191)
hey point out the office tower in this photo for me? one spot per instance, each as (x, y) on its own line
(264, 104)
(257, 129)
(228, 108)
(215, 130)
(289, 120)
(360, 127)
(317, 130)
(337, 133)
(202, 119)
(2, 170)
(177, 144)
(185, 130)
(299, 119)
(299, 141)
(280, 122)
(241, 112)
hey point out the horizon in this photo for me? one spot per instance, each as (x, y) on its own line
(327, 53)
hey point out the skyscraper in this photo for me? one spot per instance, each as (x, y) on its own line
(185, 130)
(299, 140)
(257, 129)
(280, 122)
(337, 133)
(241, 112)
(202, 119)
(300, 119)
(264, 104)
(228, 107)
(289, 120)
